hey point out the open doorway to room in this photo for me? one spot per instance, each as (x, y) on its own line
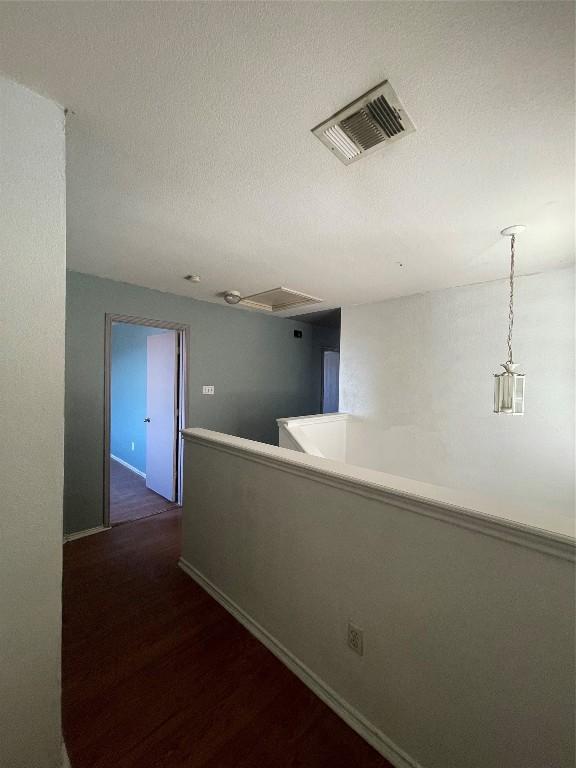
(325, 327)
(145, 411)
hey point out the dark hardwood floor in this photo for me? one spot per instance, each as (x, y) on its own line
(156, 674)
(129, 497)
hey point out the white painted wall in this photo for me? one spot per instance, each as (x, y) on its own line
(32, 304)
(468, 621)
(416, 373)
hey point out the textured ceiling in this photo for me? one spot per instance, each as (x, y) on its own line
(189, 146)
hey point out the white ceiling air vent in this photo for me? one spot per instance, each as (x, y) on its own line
(368, 124)
(277, 299)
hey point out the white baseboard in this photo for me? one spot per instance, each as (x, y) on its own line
(87, 532)
(128, 466)
(351, 716)
(65, 759)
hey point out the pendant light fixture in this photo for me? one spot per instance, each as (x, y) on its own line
(509, 386)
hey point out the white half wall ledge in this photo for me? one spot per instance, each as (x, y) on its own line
(323, 435)
(467, 616)
(317, 418)
(552, 533)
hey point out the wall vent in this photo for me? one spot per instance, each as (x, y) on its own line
(366, 125)
(277, 299)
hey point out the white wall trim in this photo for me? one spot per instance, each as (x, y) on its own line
(87, 532)
(65, 758)
(419, 498)
(319, 418)
(324, 435)
(298, 438)
(128, 466)
(342, 708)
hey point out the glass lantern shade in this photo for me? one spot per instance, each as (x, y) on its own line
(509, 390)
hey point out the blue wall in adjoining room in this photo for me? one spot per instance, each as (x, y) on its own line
(128, 392)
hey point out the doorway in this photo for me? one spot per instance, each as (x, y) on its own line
(330, 380)
(145, 409)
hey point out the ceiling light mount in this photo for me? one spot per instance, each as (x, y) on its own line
(515, 229)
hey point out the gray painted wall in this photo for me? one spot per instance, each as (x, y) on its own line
(33, 227)
(260, 372)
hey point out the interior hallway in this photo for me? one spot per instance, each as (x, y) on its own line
(129, 497)
(156, 674)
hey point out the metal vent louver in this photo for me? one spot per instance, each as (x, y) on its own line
(368, 124)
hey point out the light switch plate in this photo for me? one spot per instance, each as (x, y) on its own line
(208, 389)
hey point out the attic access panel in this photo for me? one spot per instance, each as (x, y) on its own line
(366, 125)
(277, 299)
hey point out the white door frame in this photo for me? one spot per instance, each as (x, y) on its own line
(180, 414)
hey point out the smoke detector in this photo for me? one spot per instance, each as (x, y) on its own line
(370, 123)
(232, 297)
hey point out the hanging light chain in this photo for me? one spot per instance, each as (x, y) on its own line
(511, 308)
(509, 385)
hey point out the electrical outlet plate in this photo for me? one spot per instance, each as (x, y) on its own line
(356, 638)
(208, 389)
